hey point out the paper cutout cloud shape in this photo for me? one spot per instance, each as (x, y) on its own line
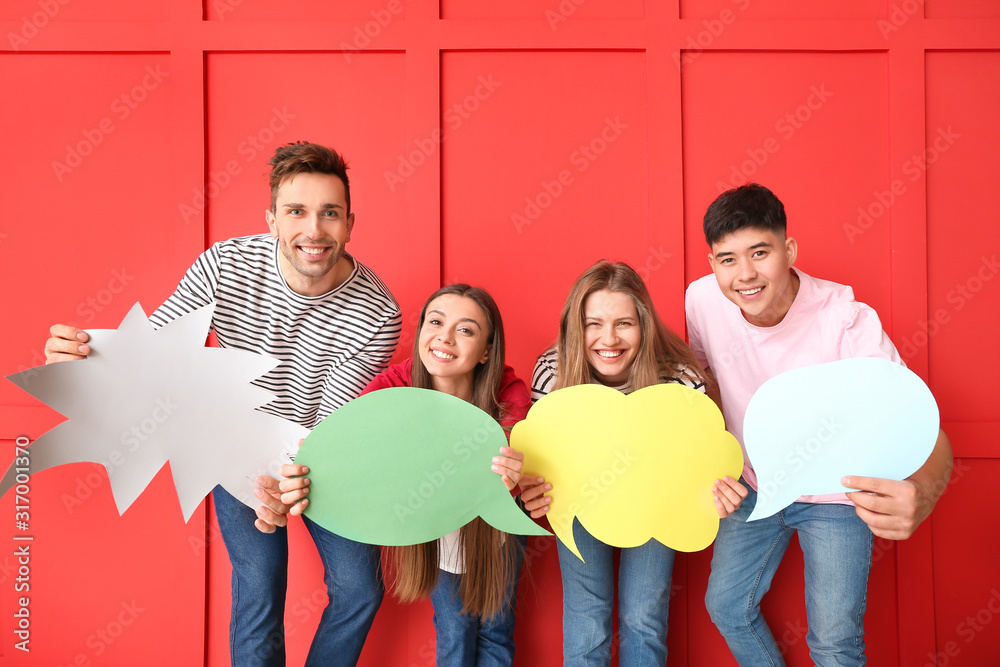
(807, 428)
(630, 467)
(144, 397)
(404, 466)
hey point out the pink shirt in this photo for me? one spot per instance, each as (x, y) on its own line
(824, 323)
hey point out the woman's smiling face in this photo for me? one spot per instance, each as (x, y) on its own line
(611, 335)
(454, 337)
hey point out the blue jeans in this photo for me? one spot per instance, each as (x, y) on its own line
(837, 549)
(472, 641)
(588, 597)
(260, 575)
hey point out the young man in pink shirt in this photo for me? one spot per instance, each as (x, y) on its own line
(756, 318)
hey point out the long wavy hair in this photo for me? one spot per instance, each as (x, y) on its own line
(489, 556)
(661, 353)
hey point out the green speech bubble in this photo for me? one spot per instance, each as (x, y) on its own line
(405, 466)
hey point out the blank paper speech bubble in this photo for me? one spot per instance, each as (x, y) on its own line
(144, 397)
(405, 466)
(807, 428)
(630, 467)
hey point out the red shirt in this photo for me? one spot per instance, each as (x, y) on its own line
(514, 396)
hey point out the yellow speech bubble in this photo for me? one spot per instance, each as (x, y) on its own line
(630, 467)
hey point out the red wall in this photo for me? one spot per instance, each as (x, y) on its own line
(509, 145)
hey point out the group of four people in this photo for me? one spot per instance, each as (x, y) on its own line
(297, 295)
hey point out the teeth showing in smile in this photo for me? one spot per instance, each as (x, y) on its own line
(748, 292)
(313, 251)
(610, 354)
(442, 355)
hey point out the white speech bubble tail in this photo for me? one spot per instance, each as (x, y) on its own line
(770, 505)
(761, 513)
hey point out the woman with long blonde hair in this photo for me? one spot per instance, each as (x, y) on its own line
(611, 334)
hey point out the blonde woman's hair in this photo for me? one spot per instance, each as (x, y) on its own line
(662, 353)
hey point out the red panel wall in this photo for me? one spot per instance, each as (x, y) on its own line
(508, 145)
(964, 291)
(83, 240)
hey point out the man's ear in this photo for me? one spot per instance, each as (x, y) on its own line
(271, 226)
(791, 250)
(350, 227)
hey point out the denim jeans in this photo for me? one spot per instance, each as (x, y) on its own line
(260, 575)
(837, 550)
(588, 596)
(471, 641)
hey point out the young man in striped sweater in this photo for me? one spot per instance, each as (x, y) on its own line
(297, 295)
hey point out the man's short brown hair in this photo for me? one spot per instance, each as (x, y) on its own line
(302, 157)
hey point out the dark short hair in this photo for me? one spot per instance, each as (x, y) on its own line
(302, 157)
(750, 206)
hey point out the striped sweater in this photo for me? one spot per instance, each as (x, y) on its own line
(331, 345)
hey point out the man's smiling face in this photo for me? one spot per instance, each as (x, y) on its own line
(753, 269)
(312, 225)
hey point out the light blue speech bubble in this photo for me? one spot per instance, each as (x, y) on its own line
(807, 428)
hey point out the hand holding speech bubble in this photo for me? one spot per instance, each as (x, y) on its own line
(630, 467)
(807, 428)
(403, 466)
